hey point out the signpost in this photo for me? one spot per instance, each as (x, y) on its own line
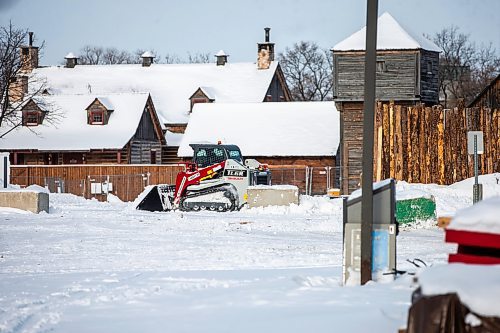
(475, 146)
(368, 117)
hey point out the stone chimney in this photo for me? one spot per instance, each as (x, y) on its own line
(265, 52)
(18, 88)
(221, 58)
(29, 55)
(147, 59)
(71, 60)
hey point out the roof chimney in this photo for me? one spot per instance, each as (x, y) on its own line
(147, 58)
(221, 58)
(71, 60)
(29, 55)
(265, 52)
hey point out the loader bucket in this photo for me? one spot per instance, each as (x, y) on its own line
(152, 201)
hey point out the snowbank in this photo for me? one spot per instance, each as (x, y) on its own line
(482, 217)
(477, 286)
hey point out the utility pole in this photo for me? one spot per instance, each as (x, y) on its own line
(368, 117)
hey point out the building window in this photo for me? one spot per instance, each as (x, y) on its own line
(381, 67)
(96, 118)
(429, 67)
(153, 156)
(31, 119)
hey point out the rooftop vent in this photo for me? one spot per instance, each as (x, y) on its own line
(71, 60)
(147, 58)
(221, 58)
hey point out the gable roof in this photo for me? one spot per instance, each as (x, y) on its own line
(170, 85)
(104, 101)
(72, 133)
(266, 129)
(483, 92)
(390, 36)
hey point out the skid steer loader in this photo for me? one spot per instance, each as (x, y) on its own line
(217, 180)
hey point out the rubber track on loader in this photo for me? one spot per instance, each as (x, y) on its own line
(213, 206)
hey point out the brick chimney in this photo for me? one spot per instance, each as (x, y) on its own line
(265, 52)
(29, 55)
(71, 60)
(147, 59)
(221, 58)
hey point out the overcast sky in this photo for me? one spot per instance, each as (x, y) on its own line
(182, 26)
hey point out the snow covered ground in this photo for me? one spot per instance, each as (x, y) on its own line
(89, 266)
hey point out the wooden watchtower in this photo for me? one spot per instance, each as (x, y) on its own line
(407, 73)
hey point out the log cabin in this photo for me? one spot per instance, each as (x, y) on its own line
(406, 73)
(87, 129)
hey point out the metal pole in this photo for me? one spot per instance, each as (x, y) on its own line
(368, 116)
(477, 190)
(476, 171)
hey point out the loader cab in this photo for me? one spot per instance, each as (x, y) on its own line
(209, 154)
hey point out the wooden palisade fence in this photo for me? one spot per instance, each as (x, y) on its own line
(422, 144)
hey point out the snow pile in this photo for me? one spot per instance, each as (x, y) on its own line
(31, 188)
(484, 216)
(477, 286)
(308, 205)
(491, 185)
(273, 187)
(406, 191)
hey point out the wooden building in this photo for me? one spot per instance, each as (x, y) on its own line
(489, 97)
(299, 140)
(85, 129)
(407, 73)
(174, 88)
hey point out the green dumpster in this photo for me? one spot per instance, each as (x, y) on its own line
(415, 210)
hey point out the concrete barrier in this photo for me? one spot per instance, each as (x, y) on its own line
(31, 201)
(277, 195)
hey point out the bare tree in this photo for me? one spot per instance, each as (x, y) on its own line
(17, 83)
(97, 55)
(308, 71)
(199, 58)
(464, 68)
(91, 55)
(172, 59)
(114, 56)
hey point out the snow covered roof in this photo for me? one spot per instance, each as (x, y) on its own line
(170, 85)
(147, 54)
(390, 36)
(221, 53)
(72, 133)
(266, 129)
(209, 92)
(70, 55)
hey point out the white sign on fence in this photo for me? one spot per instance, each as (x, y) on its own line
(470, 142)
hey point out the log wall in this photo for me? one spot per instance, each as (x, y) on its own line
(429, 144)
